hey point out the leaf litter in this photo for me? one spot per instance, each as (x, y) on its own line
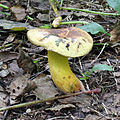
(102, 106)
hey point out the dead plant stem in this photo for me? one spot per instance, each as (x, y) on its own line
(99, 54)
(47, 100)
(52, 3)
(88, 11)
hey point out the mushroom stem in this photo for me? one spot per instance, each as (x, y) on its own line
(62, 75)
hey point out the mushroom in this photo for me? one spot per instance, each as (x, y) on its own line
(61, 44)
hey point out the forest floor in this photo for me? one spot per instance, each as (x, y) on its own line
(17, 69)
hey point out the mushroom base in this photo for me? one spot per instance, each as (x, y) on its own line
(62, 75)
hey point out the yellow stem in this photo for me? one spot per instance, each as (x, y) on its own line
(52, 3)
(62, 75)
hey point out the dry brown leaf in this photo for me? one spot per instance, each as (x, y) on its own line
(19, 87)
(43, 17)
(19, 12)
(9, 39)
(6, 56)
(26, 63)
(83, 101)
(12, 25)
(45, 87)
(14, 69)
(115, 34)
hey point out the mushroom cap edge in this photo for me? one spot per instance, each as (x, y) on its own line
(69, 42)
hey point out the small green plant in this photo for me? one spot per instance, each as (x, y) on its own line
(100, 67)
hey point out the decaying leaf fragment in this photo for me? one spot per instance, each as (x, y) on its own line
(44, 87)
(16, 26)
(19, 87)
(26, 63)
(115, 34)
(19, 12)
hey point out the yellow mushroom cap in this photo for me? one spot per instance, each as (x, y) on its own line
(69, 42)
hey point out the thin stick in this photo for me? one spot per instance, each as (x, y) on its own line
(93, 12)
(47, 100)
(99, 54)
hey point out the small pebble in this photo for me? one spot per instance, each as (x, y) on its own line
(28, 110)
(4, 73)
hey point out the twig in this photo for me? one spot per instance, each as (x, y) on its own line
(93, 12)
(49, 99)
(99, 54)
(104, 106)
(99, 113)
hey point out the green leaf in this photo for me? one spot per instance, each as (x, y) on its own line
(93, 28)
(102, 67)
(115, 4)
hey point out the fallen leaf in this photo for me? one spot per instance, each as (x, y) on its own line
(19, 87)
(19, 12)
(6, 56)
(115, 34)
(43, 17)
(14, 69)
(9, 39)
(82, 100)
(26, 63)
(45, 87)
(17, 26)
(41, 5)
